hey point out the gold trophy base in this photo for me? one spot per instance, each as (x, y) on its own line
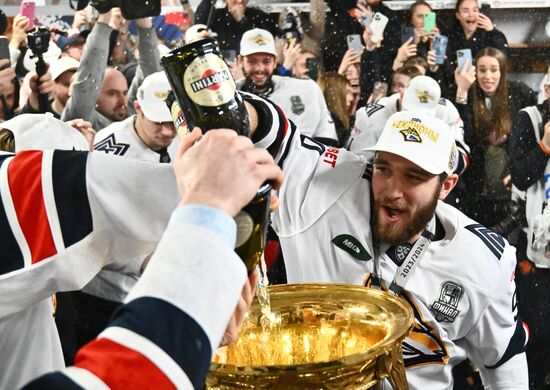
(324, 336)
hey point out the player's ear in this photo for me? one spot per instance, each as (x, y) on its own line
(447, 185)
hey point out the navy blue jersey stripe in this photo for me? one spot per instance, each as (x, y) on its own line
(517, 345)
(71, 195)
(12, 257)
(54, 380)
(288, 145)
(175, 332)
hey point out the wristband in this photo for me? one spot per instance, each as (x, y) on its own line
(544, 148)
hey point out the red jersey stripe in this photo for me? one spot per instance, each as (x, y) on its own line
(25, 181)
(120, 367)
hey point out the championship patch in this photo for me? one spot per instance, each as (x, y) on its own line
(297, 106)
(109, 145)
(351, 245)
(445, 308)
(410, 135)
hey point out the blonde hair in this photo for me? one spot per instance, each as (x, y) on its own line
(7, 140)
(333, 86)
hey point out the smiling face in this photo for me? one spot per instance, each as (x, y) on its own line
(467, 15)
(258, 67)
(405, 198)
(488, 74)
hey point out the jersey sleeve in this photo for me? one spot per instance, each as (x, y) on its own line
(65, 214)
(172, 322)
(369, 123)
(453, 119)
(499, 333)
(315, 175)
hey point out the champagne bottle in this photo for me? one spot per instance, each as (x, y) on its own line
(208, 98)
(177, 115)
(204, 87)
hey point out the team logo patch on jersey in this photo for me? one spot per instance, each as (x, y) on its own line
(411, 135)
(351, 245)
(109, 145)
(297, 107)
(445, 308)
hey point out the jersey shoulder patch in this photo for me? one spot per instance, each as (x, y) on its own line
(110, 145)
(373, 107)
(492, 240)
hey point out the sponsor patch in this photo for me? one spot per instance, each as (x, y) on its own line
(445, 308)
(351, 245)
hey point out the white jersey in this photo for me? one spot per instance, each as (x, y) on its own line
(370, 121)
(65, 215)
(303, 102)
(462, 293)
(121, 139)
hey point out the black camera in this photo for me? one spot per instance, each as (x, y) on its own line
(38, 40)
(131, 9)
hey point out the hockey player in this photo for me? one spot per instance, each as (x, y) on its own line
(301, 99)
(148, 134)
(422, 93)
(340, 221)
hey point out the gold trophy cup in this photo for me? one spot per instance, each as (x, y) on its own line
(324, 336)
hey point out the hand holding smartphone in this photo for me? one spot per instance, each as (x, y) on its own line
(440, 48)
(377, 26)
(27, 9)
(462, 56)
(354, 43)
(429, 22)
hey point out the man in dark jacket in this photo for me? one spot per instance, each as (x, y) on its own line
(232, 21)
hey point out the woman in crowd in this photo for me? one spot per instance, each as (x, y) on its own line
(334, 89)
(488, 104)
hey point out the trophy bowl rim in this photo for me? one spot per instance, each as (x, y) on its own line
(378, 349)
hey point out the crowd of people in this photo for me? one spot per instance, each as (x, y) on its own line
(435, 168)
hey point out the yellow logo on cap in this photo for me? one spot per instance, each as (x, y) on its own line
(423, 96)
(411, 135)
(418, 127)
(162, 95)
(259, 40)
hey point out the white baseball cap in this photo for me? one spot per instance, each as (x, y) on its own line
(257, 41)
(151, 96)
(422, 139)
(43, 132)
(422, 94)
(196, 32)
(62, 65)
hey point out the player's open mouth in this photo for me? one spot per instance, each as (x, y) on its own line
(391, 214)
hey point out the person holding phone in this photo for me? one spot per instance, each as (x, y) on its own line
(529, 157)
(488, 103)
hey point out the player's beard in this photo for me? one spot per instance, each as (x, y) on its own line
(395, 233)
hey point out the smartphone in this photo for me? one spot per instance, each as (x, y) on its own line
(462, 56)
(429, 22)
(377, 26)
(440, 48)
(27, 9)
(354, 43)
(406, 34)
(312, 68)
(365, 20)
(5, 51)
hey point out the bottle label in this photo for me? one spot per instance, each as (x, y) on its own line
(245, 226)
(179, 119)
(208, 81)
